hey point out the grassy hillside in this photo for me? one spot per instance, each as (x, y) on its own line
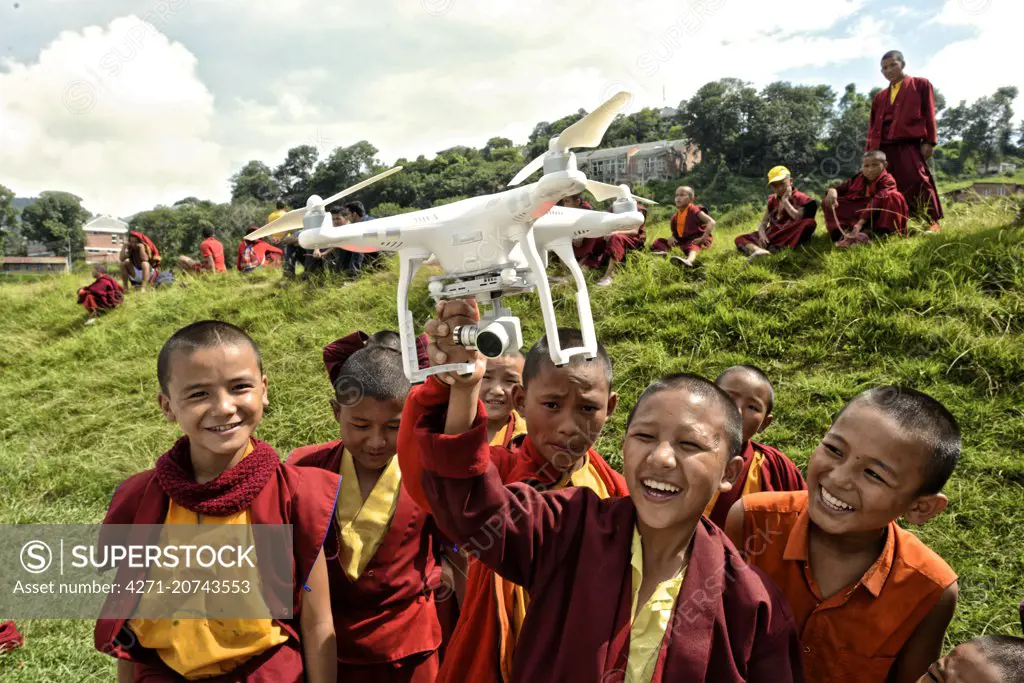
(941, 313)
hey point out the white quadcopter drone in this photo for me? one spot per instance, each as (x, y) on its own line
(490, 246)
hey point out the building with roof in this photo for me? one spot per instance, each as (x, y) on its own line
(33, 264)
(104, 237)
(984, 189)
(661, 160)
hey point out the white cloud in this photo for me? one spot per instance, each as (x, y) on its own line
(987, 60)
(412, 77)
(116, 115)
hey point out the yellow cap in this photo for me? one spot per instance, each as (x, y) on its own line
(778, 173)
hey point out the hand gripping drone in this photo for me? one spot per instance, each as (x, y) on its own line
(490, 246)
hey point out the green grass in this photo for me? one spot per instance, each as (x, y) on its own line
(941, 313)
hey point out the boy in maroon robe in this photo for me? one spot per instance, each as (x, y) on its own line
(903, 126)
(788, 222)
(611, 251)
(382, 561)
(637, 588)
(105, 294)
(691, 229)
(764, 468)
(866, 205)
(565, 409)
(212, 385)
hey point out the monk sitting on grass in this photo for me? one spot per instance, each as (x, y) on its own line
(865, 206)
(691, 229)
(788, 222)
(105, 294)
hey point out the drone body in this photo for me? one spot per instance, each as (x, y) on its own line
(490, 246)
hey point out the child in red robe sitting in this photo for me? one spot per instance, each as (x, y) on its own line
(867, 205)
(788, 222)
(212, 385)
(691, 229)
(637, 588)
(383, 549)
(610, 252)
(764, 468)
(105, 294)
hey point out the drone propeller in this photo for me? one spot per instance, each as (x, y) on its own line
(587, 132)
(603, 191)
(293, 219)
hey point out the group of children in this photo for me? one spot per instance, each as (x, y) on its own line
(893, 184)
(466, 529)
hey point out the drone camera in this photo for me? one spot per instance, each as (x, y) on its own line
(492, 339)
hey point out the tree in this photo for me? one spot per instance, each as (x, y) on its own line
(344, 167)
(295, 172)
(795, 117)
(55, 219)
(8, 216)
(726, 119)
(256, 182)
(848, 132)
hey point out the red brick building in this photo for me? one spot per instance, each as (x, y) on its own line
(104, 237)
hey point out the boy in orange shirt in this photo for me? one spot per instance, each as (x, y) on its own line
(872, 602)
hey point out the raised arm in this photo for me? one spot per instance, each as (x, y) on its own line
(519, 532)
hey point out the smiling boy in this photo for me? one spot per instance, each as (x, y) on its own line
(764, 468)
(502, 392)
(871, 600)
(641, 588)
(212, 385)
(565, 409)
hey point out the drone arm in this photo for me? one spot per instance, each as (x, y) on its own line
(409, 264)
(586, 319)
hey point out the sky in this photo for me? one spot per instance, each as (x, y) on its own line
(133, 103)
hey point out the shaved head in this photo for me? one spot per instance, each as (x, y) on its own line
(201, 335)
(920, 415)
(539, 356)
(876, 154)
(894, 54)
(704, 388)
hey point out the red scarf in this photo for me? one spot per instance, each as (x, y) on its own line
(232, 491)
(10, 638)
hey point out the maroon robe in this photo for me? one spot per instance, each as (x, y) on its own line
(304, 498)
(10, 637)
(784, 231)
(686, 235)
(880, 204)
(386, 620)
(474, 651)
(778, 473)
(596, 252)
(899, 128)
(572, 552)
(104, 294)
